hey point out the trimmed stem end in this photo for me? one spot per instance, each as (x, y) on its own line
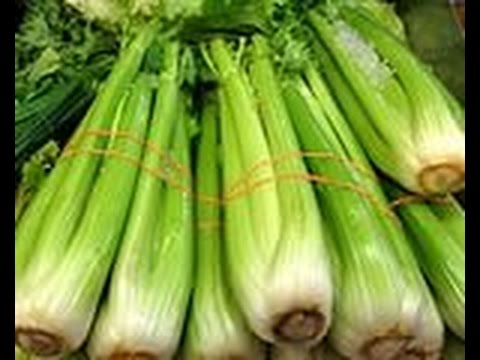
(385, 348)
(39, 342)
(395, 348)
(443, 177)
(300, 326)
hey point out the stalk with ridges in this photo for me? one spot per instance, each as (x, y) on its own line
(54, 318)
(216, 328)
(400, 115)
(437, 236)
(151, 284)
(272, 249)
(383, 307)
(302, 223)
(58, 208)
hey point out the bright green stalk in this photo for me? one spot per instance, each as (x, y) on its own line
(60, 202)
(452, 217)
(56, 299)
(271, 249)
(302, 223)
(438, 239)
(454, 348)
(382, 12)
(152, 280)
(382, 307)
(401, 117)
(216, 328)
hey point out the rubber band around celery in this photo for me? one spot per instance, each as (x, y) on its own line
(299, 154)
(250, 172)
(154, 171)
(231, 196)
(313, 178)
(148, 144)
(417, 199)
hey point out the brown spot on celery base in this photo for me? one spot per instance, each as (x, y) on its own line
(300, 326)
(442, 178)
(395, 347)
(39, 342)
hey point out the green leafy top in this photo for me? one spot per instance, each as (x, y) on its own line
(54, 42)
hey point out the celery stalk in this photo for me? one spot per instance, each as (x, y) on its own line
(216, 328)
(152, 279)
(302, 224)
(58, 208)
(56, 299)
(452, 216)
(383, 12)
(273, 247)
(383, 308)
(417, 141)
(437, 234)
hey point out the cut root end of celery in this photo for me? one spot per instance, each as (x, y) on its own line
(300, 326)
(442, 177)
(39, 342)
(133, 356)
(386, 347)
(395, 348)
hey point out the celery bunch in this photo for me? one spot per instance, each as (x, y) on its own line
(216, 328)
(405, 120)
(383, 308)
(278, 264)
(147, 298)
(67, 239)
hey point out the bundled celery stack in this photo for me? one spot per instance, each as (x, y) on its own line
(216, 328)
(380, 292)
(231, 193)
(408, 124)
(275, 233)
(151, 282)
